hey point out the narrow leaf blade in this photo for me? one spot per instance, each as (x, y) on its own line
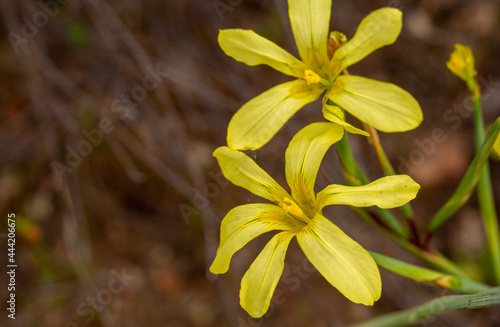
(468, 183)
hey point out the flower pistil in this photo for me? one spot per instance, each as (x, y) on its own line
(292, 208)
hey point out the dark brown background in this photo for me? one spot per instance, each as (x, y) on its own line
(119, 209)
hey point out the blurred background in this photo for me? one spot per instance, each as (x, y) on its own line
(110, 112)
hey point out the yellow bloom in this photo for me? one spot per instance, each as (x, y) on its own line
(342, 261)
(382, 105)
(461, 63)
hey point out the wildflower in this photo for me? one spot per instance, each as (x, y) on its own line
(342, 261)
(382, 105)
(461, 63)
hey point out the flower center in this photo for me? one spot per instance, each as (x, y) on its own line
(311, 77)
(292, 208)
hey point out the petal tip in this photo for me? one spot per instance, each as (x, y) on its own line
(217, 153)
(218, 269)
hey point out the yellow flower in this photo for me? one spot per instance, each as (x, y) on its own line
(382, 105)
(461, 63)
(342, 261)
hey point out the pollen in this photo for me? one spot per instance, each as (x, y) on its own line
(292, 208)
(311, 77)
(335, 41)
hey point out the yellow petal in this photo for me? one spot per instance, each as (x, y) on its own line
(384, 106)
(386, 192)
(461, 62)
(262, 117)
(335, 115)
(244, 223)
(259, 282)
(343, 262)
(303, 157)
(252, 49)
(379, 28)
(310, 20)
(242, 171)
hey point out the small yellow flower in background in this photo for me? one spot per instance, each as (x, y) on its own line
(343, 262)
(382, 105)
(461, 63)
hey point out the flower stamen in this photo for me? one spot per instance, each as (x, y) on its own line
(311, 77)
(292, 208)
(335, 41)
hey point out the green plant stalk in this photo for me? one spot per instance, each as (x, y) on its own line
(435, 307)
(355, 176)
(468, 183)
(424, 275)
(386, 164)
(431, 257)
(484, 190)
(352, 173)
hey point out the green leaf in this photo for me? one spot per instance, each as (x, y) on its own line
(424, 275)
(469, 182)
(407, 270)
(244, 223)
(344, 263)
(262, 117)
(310, 20)
(384, 106)
(242, 171)
(386, 192)
(379, 28)
(303, 158)
(496, 148)
(355, 177)
(435, 307)
(252, 49)
(259, 282)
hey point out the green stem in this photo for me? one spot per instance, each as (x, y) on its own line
(424, 275)
(352, 173)
(429, 256)
(393, 229)
(484, 189)
(386, 165)
(468, 184)
(355, 176)
(435, 307)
